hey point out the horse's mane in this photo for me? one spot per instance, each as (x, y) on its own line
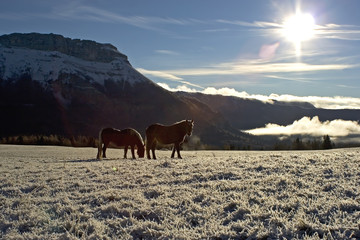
(139, 136)
(179, 122)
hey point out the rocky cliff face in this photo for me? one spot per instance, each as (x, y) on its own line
(49, 58)
(83, 49)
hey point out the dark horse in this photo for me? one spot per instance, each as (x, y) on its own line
(166, 135)
(126, 137)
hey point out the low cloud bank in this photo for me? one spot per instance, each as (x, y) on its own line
(336, 102)
(310, 126)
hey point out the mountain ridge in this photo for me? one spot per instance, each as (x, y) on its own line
(246, 114)
(84, 49)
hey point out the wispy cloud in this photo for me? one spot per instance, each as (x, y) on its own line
(311, 126)
(159, 74)
(167, 76)
(243, 68)
(342, 32)
(96, 14)
(166, 52)
(256, 24)
(336, 102)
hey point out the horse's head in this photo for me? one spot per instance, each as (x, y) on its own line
(141, 151)
(189, 127)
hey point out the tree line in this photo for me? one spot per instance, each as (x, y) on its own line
(89, 141)
(57, 140)
(309, 144)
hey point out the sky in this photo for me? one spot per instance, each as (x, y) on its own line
(266, 49)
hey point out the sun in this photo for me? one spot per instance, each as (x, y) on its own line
(298, 28)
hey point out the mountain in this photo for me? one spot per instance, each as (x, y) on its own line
(249, 114)
(50, 84)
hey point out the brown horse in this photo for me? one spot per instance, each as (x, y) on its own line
(166, 135)
(126, 137)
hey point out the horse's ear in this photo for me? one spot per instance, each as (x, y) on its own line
(192, 121)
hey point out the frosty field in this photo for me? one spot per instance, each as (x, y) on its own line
(51, 192)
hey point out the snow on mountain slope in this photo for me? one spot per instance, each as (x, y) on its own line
(47, 66)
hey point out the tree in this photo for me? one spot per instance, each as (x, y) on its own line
(298, 144)
(326, 142)
(20, 140)
(315, 144)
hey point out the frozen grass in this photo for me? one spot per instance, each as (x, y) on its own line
(65, 193)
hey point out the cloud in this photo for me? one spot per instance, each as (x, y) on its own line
(336, 102)
(257, 67)
(88, 13)
(159, 74)
(180, 88)
(310, 126)
(167, 76)
(166, 52)
(255, 24)
(341, 32)
(260, 66)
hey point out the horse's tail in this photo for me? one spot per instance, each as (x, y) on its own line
(147, 140)
(99, 154)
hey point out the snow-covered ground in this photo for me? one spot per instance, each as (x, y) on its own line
(51, 192)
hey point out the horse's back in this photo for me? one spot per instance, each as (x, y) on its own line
(130, 132)
(126, 131)
(119, 137)
(109, 131)
(152, 128)
(163, 133)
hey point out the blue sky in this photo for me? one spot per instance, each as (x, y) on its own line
(231, 47)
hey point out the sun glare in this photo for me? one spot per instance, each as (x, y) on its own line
(298, 28)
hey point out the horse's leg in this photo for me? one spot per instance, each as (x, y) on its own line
(132, 152)
(178, 150)
(99, 151)
(125, 151)
(173, 151)
(106, 143)
(153, 149)
(148, 146)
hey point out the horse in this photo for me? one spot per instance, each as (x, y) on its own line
(126, 137)
(167, 135)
